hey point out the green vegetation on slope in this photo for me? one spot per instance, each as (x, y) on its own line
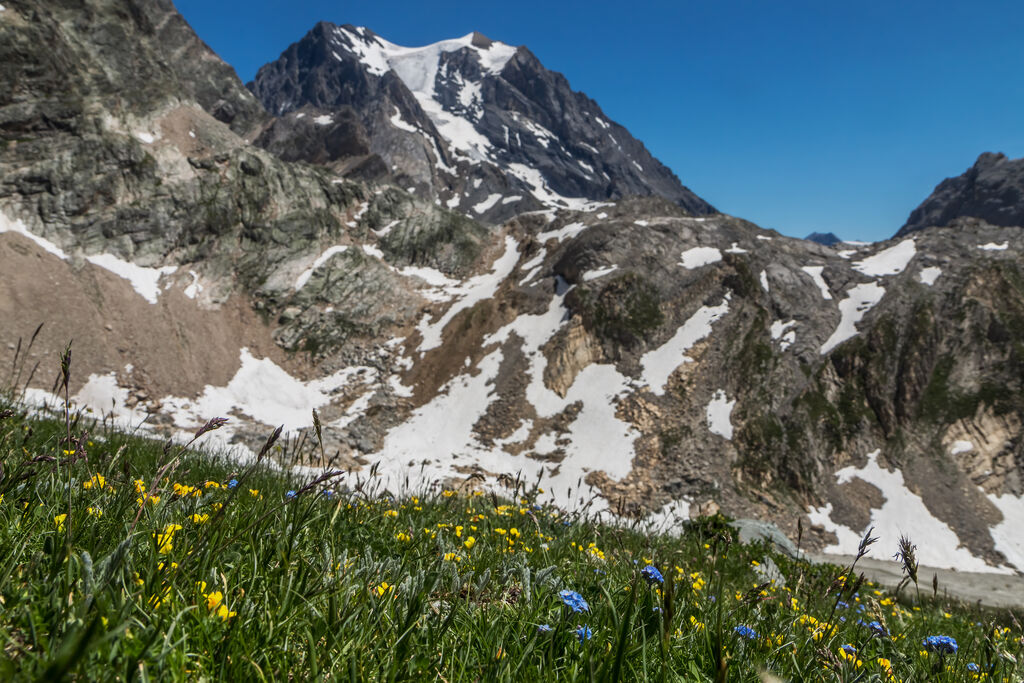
(122, 558)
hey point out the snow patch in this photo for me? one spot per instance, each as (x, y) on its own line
(303, 278)
(566, 232)
(782, 333)
(764, 281)
(659, 364)
(700, 256)
(891, 261)
(7, 225)
(992, 246)
(815, 273)
(719, 413)
(143, 280)
(859, 300)
(959, 447)
(902, 513)
(398, 122)
(598, 272)
(193, 289)
(930, 274)
(734, 249)
(487, 204)
(468, 294)
(1006, 535)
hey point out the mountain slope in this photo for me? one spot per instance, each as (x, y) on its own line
(635, 357)
(991, 190)
(478, 124)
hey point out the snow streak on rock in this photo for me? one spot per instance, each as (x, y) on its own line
(902, 513)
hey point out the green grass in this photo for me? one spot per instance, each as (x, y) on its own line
(342, 581)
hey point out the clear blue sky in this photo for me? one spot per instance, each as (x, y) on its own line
(802, 115)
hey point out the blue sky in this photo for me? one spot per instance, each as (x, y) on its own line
(798, 115)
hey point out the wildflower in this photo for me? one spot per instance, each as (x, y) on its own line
(58, 521)
(383, 588)
(143, 499)
(255, 493)
(878, 629)
(290, 494)
(544, 628)
(211, 484)
(94, 512)
(391, 513)
(214, 600)
(224, 614)
(652, 575)
(97, 480)
(574, 601)
(839, 605)
(973, 668)
(164, 539)
(402, 537)
(584, 633)
(944, 645)
(746, 632)
(452, 557)
(696, 625)
(140, 486)
(233, 483)
(200, 519)
(469, 543)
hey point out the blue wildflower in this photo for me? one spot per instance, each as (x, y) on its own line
(973, 668)
(584, 633)
(652, 575)
(544, 628)
(850, 650)
(233, 483)
(878, 629)
(289, 494)
(574, 601)
(328, 493)
(841, 605)
(656, 609)
(944, 645)
(746, 632)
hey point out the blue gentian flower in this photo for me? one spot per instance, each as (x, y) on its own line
(544, 628)
(289, 494)
(584, 633)
(841, 605)
(652, 575)
(656, 609)
(574, 601)
(944, 645)
(746, 632)
(850, 650)
(973, 668)
(328, 493)
(233, 483)
(878, 629)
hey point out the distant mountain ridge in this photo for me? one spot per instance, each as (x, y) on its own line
(991, 190)
(477, 124)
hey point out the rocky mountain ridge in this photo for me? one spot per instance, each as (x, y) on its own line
(479, 125)
(991, 190)
(635, 356)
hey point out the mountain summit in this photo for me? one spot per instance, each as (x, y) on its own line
(991, 190)
(477, 124)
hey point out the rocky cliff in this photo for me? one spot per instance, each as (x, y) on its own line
(479, 125)
(637, 356)
(992, 190)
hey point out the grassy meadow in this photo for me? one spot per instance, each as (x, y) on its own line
(123, 558)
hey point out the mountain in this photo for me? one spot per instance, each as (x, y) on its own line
(480, 125)
(991, 190)
(634, 356)
(827, 238)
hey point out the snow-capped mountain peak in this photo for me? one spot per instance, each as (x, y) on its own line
(476, 124)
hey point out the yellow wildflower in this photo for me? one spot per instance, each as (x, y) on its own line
(97, 480)
(200, 519)
(94, 512)
(402, 537)
(214, 600)
(469, 543)
(58, 521)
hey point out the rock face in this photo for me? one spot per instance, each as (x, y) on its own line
(635, 356)
(478, 124)
(992, 190)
